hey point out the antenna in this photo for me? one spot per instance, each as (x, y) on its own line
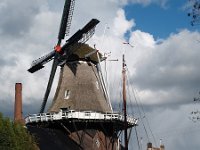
(195, 114)
(128, 44)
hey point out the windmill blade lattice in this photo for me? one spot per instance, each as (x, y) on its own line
(66, 19)
(39, 63)
(81, 36)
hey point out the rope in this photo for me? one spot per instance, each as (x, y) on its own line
(140, 106)
(139, 110)
(147, 121)
(138, 142)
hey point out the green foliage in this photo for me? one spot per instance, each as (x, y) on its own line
(14, 136)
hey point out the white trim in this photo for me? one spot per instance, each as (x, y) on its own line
(81, 115)
(80, 61)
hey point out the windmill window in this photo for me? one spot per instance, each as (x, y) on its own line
(97, 84)
(97, 143)
(67, 94)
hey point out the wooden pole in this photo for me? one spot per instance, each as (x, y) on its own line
(124, 102)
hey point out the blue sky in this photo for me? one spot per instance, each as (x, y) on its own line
(160, 21)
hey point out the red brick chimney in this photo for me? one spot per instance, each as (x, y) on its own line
(18, 103)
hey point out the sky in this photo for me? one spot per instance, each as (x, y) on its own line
(162, 66)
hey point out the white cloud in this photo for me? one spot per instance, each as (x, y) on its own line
(162, 3)
(174, 128)
(170, 72)
(142, 39)
(121, 25)
(164, 74)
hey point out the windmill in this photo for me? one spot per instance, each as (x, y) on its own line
(80, 116)
(61, 54)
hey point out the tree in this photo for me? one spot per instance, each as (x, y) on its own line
(14, 136)
(195, 12)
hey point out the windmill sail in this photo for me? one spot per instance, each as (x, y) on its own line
(81, 36)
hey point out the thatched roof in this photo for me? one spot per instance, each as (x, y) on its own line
(82, 51)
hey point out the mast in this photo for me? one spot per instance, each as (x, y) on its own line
(124, 102)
